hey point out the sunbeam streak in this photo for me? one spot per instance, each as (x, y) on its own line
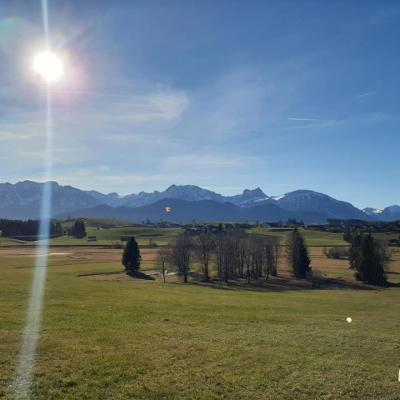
(34, 314)
(31, 332)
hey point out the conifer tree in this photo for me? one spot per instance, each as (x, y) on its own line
(131, 256)
(79, 230)
(297, 255)
(368, 257)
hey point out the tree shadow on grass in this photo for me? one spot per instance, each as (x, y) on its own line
(140, 275)
(122, 274)
(284, 284)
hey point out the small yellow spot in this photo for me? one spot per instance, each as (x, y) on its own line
(349, 320)
(168, 209)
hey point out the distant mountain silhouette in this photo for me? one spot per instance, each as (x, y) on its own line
(22, 200)
(186, 211)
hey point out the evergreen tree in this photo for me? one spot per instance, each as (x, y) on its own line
(368, 257)
(355, 251)
(297, 255)
(79, 230)
(58, 231)
(131, 256)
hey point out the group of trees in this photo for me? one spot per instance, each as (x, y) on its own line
(27, 230)
(250, 257)
(234, 255)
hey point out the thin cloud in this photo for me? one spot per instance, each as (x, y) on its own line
(367, 94)
(313, 123)
(304, 119)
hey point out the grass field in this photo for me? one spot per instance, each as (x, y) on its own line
(112, 235)
(131, 339)
(4, 241)
(312, 238)
(108, 236)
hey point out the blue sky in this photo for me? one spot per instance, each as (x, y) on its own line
(223, 94)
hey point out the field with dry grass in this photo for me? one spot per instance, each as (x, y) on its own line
(107, 336)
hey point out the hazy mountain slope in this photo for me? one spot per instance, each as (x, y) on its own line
(22, 200)
(183, 192)
(304, 201)
(182, 210)
(391, 213)
(204, 210)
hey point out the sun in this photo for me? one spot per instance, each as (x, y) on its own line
(48, 66)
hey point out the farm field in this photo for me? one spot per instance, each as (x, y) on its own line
(131, 339)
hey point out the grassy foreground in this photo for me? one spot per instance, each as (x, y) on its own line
(148, 340)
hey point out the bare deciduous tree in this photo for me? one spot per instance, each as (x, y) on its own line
(163, 259)
(204, 245)
(257, 256)
(271, 253)
(181, 254)
(247, 256)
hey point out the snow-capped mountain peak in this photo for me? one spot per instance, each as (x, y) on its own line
(372, 211)
(22, 200)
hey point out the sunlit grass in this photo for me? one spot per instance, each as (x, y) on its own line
(147, 340)
(313, 238)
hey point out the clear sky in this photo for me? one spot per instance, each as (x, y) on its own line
(227, 95)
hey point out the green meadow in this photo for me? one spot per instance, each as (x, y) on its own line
(132, 339)
(312, 238)
(109, 233)
(109, 236)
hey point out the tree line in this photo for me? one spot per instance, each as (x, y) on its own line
(234, 255)
(27, 230)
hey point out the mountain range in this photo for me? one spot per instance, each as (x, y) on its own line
(187, 202)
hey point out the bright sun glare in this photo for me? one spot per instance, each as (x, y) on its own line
(49, 66)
